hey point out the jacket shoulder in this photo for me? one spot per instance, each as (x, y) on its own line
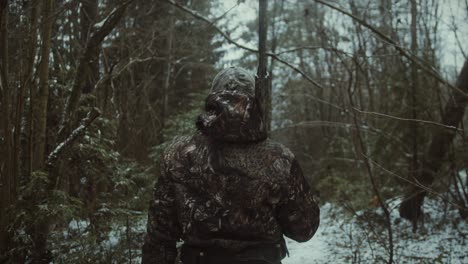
(280, 150)
(176, 150)
(276, 159)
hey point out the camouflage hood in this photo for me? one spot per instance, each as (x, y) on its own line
(231, 111)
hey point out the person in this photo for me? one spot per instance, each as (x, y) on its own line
(227, 191)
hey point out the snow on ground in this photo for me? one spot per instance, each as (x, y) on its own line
(343, 238)
(351, 240)
(315, 250)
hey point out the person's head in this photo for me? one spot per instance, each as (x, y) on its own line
(232, 112)
(234, 79)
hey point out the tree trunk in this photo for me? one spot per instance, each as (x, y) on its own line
(88, 56)
(27, 85)
(39, 230)
(6, 174)
(274, 44)
(413, 167)
(41, 100)
(168, 70)
(89, 11)
(410, 208)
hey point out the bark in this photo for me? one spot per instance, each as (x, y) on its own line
(413, 169)
(168, 70)
(410, 208)
(89, 11)
(6, 174)
(39, 230)
(27, 85)
(41, 100)
(123, 131)
(274, 45)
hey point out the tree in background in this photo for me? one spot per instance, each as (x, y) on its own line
(394, 97)
(70, 58)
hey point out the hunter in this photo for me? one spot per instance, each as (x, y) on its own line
(227, 191)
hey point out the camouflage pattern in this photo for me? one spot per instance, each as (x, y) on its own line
(227, 186)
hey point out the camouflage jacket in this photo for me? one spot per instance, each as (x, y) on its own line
(232, 191)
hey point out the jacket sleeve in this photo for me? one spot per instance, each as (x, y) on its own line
(162, 229)
(298, 214)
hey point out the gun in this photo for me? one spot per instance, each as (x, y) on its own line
(262, 78)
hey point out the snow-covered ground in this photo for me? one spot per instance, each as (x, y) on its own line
(346, 238)
(341, 239)
(316, 250)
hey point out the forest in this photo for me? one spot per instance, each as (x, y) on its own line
(371, 97)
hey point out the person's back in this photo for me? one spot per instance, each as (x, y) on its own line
(228, 192)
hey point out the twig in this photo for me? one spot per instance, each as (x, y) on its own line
(198, 16)
(314, 48)
(409, 119)
(415, 183)
(101, 30)
(400, 49)
(308, 78)
(225, 13)
(231, 41)
(121, 67)
(370, 173)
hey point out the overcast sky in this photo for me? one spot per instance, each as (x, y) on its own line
(451, 10)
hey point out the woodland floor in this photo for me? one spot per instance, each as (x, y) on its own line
(358, 238)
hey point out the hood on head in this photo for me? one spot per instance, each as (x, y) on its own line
(231, 110)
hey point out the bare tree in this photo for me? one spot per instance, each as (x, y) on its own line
(433, 160)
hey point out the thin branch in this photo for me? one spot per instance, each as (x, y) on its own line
(231, 41)
(409, 119)
(315, 48)
(211, 23)
(319, 123)
(101, 30)
(415, 183)
(346, 126)
(320, 101)
(121, 67)
(368, 164)
(225, 13)
(454, 28)
(428, 69)
(460, 46)
(296, 69)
